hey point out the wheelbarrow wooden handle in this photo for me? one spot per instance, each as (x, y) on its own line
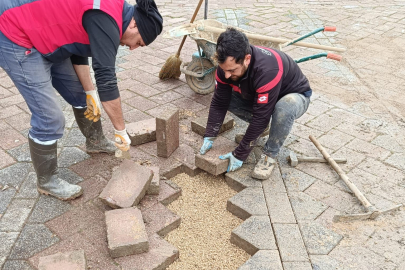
(272, 39)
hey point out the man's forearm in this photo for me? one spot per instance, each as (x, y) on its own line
(83, 72)
(114, 111)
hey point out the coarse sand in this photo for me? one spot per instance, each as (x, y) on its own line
(206, 225)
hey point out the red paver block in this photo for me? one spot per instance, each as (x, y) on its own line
(169, 192)
(198, 125)
(142, 132)
(74, 260)
(154, 184)
(127, 186)
(159, 219)
(126, 233)
(167, 132)
(210, 162)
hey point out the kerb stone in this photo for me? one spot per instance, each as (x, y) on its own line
(167, 132)
(127, 186)
(198, 125)
(126, 233)
(74, 260)
(142, 132)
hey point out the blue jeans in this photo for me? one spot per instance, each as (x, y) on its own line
(287, 109)
(36, 79)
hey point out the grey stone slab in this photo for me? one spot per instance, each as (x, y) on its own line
(280, 208)
(17, 265)
(397, 160)
(388, 142)
(33, 239)
(21, 153)
(69, 176)
(275, 183)
(198, 125)
(325, 262)
(318, 239)
(254, 234)
(296, 180)
(241, 179)
(70, 156)
(15, 174)
(48, 208)
(5, 198)
(248, 202)
(263, 260)
(16, 214)
(297, 266)
(7, 240)
(28, 188)
(74, 138)
(290, 243)
(305, 207)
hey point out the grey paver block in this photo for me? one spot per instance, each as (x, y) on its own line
(167, 132)
(127, 186)
(126, 232)
(74, 260)
(154, 184)
(17, 265)
(296, 180)
(69, 176)
(318, 239)
(16, 214)
(74, 138)
(279, 208)
(159, 219)
(388, 142)
(305, 207)
(5, 198)
(397, 160)
(70, 156)
(263, 260)
(241, 179)
(142, 132)
(7, 240)
(249, 202)
(33, 239)
(254, 234)
(290, 243)
(48, 208)
(325, 262)
(210, 162)
(297, 266)
(275, 183)
(21, 153)
(28, 188)
(15, 174)
(198, 125)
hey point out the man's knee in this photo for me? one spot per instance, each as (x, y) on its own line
(49, 127)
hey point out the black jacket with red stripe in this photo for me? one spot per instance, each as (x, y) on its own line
(271, 75)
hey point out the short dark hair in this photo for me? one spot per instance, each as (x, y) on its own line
(232, 43)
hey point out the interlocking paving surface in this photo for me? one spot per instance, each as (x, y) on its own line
(356, 112)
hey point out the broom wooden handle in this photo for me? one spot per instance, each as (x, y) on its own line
(191, 21)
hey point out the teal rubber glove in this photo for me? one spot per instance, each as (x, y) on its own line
(207, 145)
(234, 163)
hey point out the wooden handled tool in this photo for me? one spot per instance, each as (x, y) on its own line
(294, 159)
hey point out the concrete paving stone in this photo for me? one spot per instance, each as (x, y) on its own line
(188, 104)
(74, 138)
(126, 232)
(135, 115)
(91, 189)
(335, 139)
(254, 234)
(33, 239)
(5, 159)
(98, 164)
(303, 131)
(159, 219)
(64, 261)
(17, 265)
(28, 188)
(166, 97)
(347, 116)
(279, 208)
(325, 262)
(15, 174)
(368, 149)
(160, 255)
(9, 111)
(185, 154)
(388, 142)
(210, 162)
(21, 153)
(127, 186)
(69, 176)
(16, 214)
(5, 197)
(7, 240)
(397, 160)
(353, 158)
(141, 103)
(290, 243)
(296, 180)
(48, 208)
(169, 192)
(70, 156)
(142, 132)
(275, 183)
(318, 107)
(322, 171)
(318, 239)
(11, 138)
(297, 266)
(249, 202)
(241, 179)
(154, 184)
(155, 112)
(381, 170)
(325, 122)
(306, 148)
(306, 207)
(198, 125)
(263, 260)
(167, 132)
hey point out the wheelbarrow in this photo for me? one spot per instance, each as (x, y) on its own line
(199, 72)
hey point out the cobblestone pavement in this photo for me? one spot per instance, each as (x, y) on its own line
(357, 112)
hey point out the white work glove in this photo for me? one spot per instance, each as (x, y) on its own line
(122, 140)
(93, 111)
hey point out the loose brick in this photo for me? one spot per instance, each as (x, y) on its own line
(198, 125)
(74, 260)
(154, 184)
(210, 162)
(126, 233)
(127, 186)
(142, 132)
(167, 132)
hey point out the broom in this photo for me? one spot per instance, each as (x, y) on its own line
(171, 69)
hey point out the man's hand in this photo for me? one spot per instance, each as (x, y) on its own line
(234, 163)
(122, 140)
(207, 145)
(93, 111)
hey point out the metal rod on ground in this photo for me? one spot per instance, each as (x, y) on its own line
(206, 10)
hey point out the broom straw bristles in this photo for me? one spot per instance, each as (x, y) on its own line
(171, 69)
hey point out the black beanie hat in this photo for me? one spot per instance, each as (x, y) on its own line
(148, 20)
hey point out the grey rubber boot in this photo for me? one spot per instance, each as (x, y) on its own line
(239, 136)
(96, 142)
(45, 161)
(263, 168)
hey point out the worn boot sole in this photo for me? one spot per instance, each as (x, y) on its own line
(41, 191)
(263, 176)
